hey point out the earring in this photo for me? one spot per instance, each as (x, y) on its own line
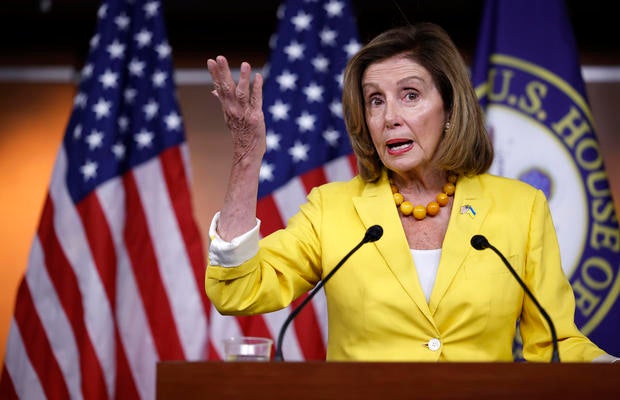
(446, 127)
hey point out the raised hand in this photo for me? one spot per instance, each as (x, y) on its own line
(242, 107)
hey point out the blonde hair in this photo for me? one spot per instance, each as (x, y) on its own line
(465, 148)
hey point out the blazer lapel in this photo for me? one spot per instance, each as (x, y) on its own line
(469, 210)
(376, 206)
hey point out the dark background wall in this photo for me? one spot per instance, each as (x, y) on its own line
(54, 31)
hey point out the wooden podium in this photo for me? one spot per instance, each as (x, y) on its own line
(385, 381)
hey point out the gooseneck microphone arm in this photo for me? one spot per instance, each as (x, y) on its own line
(480, 242)
(373, 234)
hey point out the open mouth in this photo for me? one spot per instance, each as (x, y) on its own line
(399, 146)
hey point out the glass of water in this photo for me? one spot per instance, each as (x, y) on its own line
(247, 348)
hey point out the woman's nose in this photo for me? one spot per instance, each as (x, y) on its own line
(392, 114)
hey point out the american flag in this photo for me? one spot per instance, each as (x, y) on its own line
(115, 276)
(307, 145)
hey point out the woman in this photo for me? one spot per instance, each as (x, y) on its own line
(421, 292)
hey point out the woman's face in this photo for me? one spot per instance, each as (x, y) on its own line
(404, 113)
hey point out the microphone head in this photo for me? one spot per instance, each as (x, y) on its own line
(479, 242)
(373, 233)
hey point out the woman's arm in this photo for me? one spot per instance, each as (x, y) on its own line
(242, 108)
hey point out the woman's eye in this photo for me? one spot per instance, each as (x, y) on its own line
(373, 101)
(411, 95)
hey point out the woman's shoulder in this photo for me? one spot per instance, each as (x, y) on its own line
(352, 186)
(501, 185)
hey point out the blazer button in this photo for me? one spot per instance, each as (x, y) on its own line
(434, 344)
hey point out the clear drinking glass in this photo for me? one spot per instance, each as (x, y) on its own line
(247, 348)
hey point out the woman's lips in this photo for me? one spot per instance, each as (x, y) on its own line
(396, 147)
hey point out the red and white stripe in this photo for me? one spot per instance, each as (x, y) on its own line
(113, 285)
(306, 338)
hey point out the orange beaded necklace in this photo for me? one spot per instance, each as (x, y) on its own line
(432, 208)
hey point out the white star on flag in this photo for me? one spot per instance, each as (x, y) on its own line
(115, 279)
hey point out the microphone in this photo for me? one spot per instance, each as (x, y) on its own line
(373, 234)
(480, 242)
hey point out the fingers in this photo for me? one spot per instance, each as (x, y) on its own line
(243, 87)
(224, 86)
(212, 67)
(223, 82)
(256, 99)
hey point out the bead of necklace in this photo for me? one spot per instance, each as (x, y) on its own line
(420, 212)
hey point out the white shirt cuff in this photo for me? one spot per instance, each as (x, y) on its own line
(237, 251)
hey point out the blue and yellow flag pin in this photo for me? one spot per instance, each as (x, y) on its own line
(469, 210)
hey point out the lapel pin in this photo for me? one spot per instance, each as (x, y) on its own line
(469, 210)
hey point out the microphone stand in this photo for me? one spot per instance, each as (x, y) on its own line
(372, 234)
(479, 242)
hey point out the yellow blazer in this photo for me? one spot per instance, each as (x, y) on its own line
(376, 307)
